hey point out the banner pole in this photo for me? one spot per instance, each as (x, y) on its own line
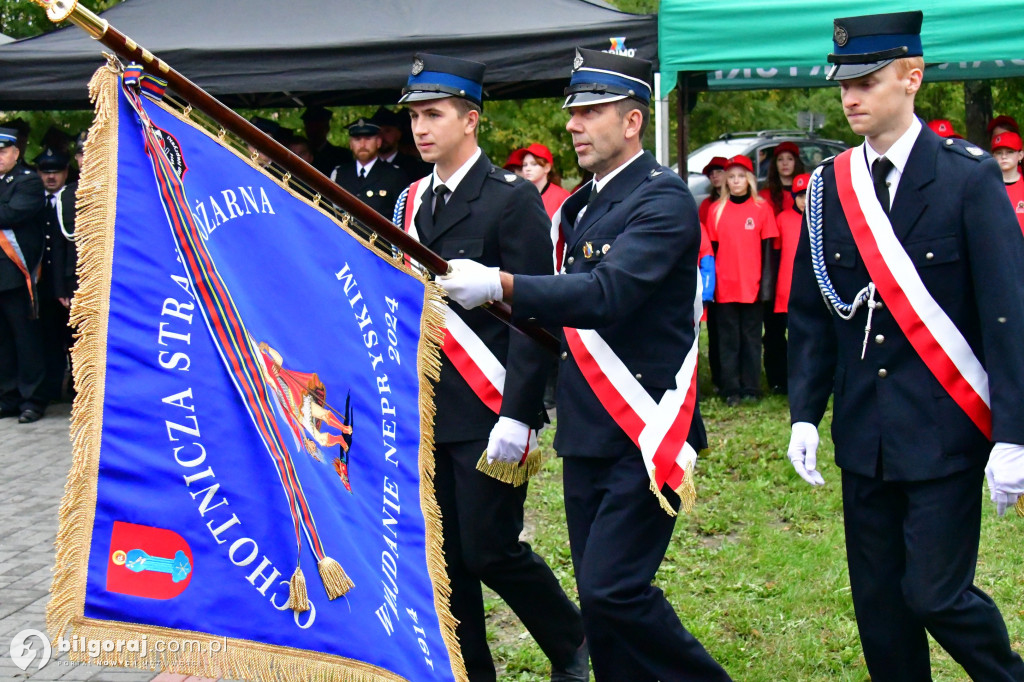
(100, 29)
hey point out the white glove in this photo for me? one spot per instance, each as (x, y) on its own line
(1005, 474)
(471, 284)
(510, 441)
(803, 452)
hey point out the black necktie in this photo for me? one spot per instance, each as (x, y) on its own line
(440, 199)
(362, 172)
(879, 171)
(590, 202)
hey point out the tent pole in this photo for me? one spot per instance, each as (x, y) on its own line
(101, 30)
(661, 123)
(683, 116)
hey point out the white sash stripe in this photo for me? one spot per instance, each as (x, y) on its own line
(476, 349)
(946, 334)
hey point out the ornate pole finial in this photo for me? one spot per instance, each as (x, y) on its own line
(59, 10)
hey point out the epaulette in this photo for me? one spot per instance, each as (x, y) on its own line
(964, 148)
(503, 176)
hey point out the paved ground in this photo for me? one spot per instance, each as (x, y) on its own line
(34, 461)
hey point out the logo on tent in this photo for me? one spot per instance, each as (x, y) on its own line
(619, 47)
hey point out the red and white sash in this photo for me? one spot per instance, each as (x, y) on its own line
(930, 331)
(659, 429)
(9, 245)
(467, 352)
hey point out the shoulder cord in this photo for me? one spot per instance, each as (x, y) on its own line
(814, 222)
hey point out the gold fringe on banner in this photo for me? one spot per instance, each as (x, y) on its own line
(334, 578)
(514, 473)
(233, 658)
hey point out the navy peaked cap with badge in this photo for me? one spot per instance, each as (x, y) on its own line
(433, 77)
(599, 77)
(8, 137)
(364, 127)
(52, 160)
(868, 43)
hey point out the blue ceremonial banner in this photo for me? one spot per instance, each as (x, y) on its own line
(251, 494)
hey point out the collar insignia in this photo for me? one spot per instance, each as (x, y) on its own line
(510, 177)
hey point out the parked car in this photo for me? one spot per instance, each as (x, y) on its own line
(757, 146)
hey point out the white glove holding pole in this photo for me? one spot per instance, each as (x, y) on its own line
(471, 284)
(803, 452)
(510, 441)
(1005, 474)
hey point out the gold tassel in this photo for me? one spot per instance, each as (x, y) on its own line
(334, 578)
(513, 473)
(686, 491)
(298, 599)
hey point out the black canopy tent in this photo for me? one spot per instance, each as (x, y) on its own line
(267, 53)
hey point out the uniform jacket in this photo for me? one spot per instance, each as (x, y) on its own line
(494, 218)
(379, 189)
(57, 277)
(631, 275)
(951, 216)
(21, 206)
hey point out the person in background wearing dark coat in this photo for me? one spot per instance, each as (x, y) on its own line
(317, 125)
(22, 366)
(392, 124)
(920, 261)
(468, 207)
(57, 281)
(631, 285)
(368, 177)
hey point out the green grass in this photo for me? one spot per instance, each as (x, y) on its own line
(758, 570)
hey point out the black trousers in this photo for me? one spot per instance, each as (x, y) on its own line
(776, 368)
(481, 520)
(618, 535)
(22, 365)
(57, 340)
(912, 549)
(714, 364)
(739, 347)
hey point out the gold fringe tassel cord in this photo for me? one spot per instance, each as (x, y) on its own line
(428, 359)
(298, 597)
(334, 578)
(96, 200)
(513, 473)
(686, 491)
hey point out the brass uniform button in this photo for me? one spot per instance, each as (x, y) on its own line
(564, 355)
(571, 260)
(929, 255)
(883, 373)
(880, 339)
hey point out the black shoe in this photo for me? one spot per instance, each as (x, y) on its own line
(29, 416)
(733, 401)
(750, 398)
(578, 669)
(10, 412)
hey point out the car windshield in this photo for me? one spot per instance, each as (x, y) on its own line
(728, 148)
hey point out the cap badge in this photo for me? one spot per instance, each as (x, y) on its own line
(588, 250)
(840, 36)
(578, 61)
(417, 66)
(510, 177)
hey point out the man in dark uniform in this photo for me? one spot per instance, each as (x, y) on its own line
(21, 238)
(57, 280)
(630, 305)
(317, 124)
(469, 207)
(921, 263)
(391, 126)
(373, 180)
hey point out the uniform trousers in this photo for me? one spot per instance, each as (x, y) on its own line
(481, 519)
(912, 548)
(618, 534)
(57, 339)
(776, 368)
(739, 348)
(22, 365)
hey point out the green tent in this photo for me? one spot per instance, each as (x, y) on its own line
(752, 44)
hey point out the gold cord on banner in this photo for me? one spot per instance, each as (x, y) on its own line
(238, 659)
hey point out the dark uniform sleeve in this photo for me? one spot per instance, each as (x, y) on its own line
(662, 227)
(68, 199)
(24, 203)
(524, 234)
(996, 251)
(812, 341)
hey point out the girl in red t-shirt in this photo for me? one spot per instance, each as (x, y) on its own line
(537, 168)
(1006, 148)
(741, 226)
(715, 172)
(785, 166)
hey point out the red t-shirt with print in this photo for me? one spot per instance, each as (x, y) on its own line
(789, 222)
(1016, 192)
(739, 229)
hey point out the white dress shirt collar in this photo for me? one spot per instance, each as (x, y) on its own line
(368, 166)
(600, 184)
